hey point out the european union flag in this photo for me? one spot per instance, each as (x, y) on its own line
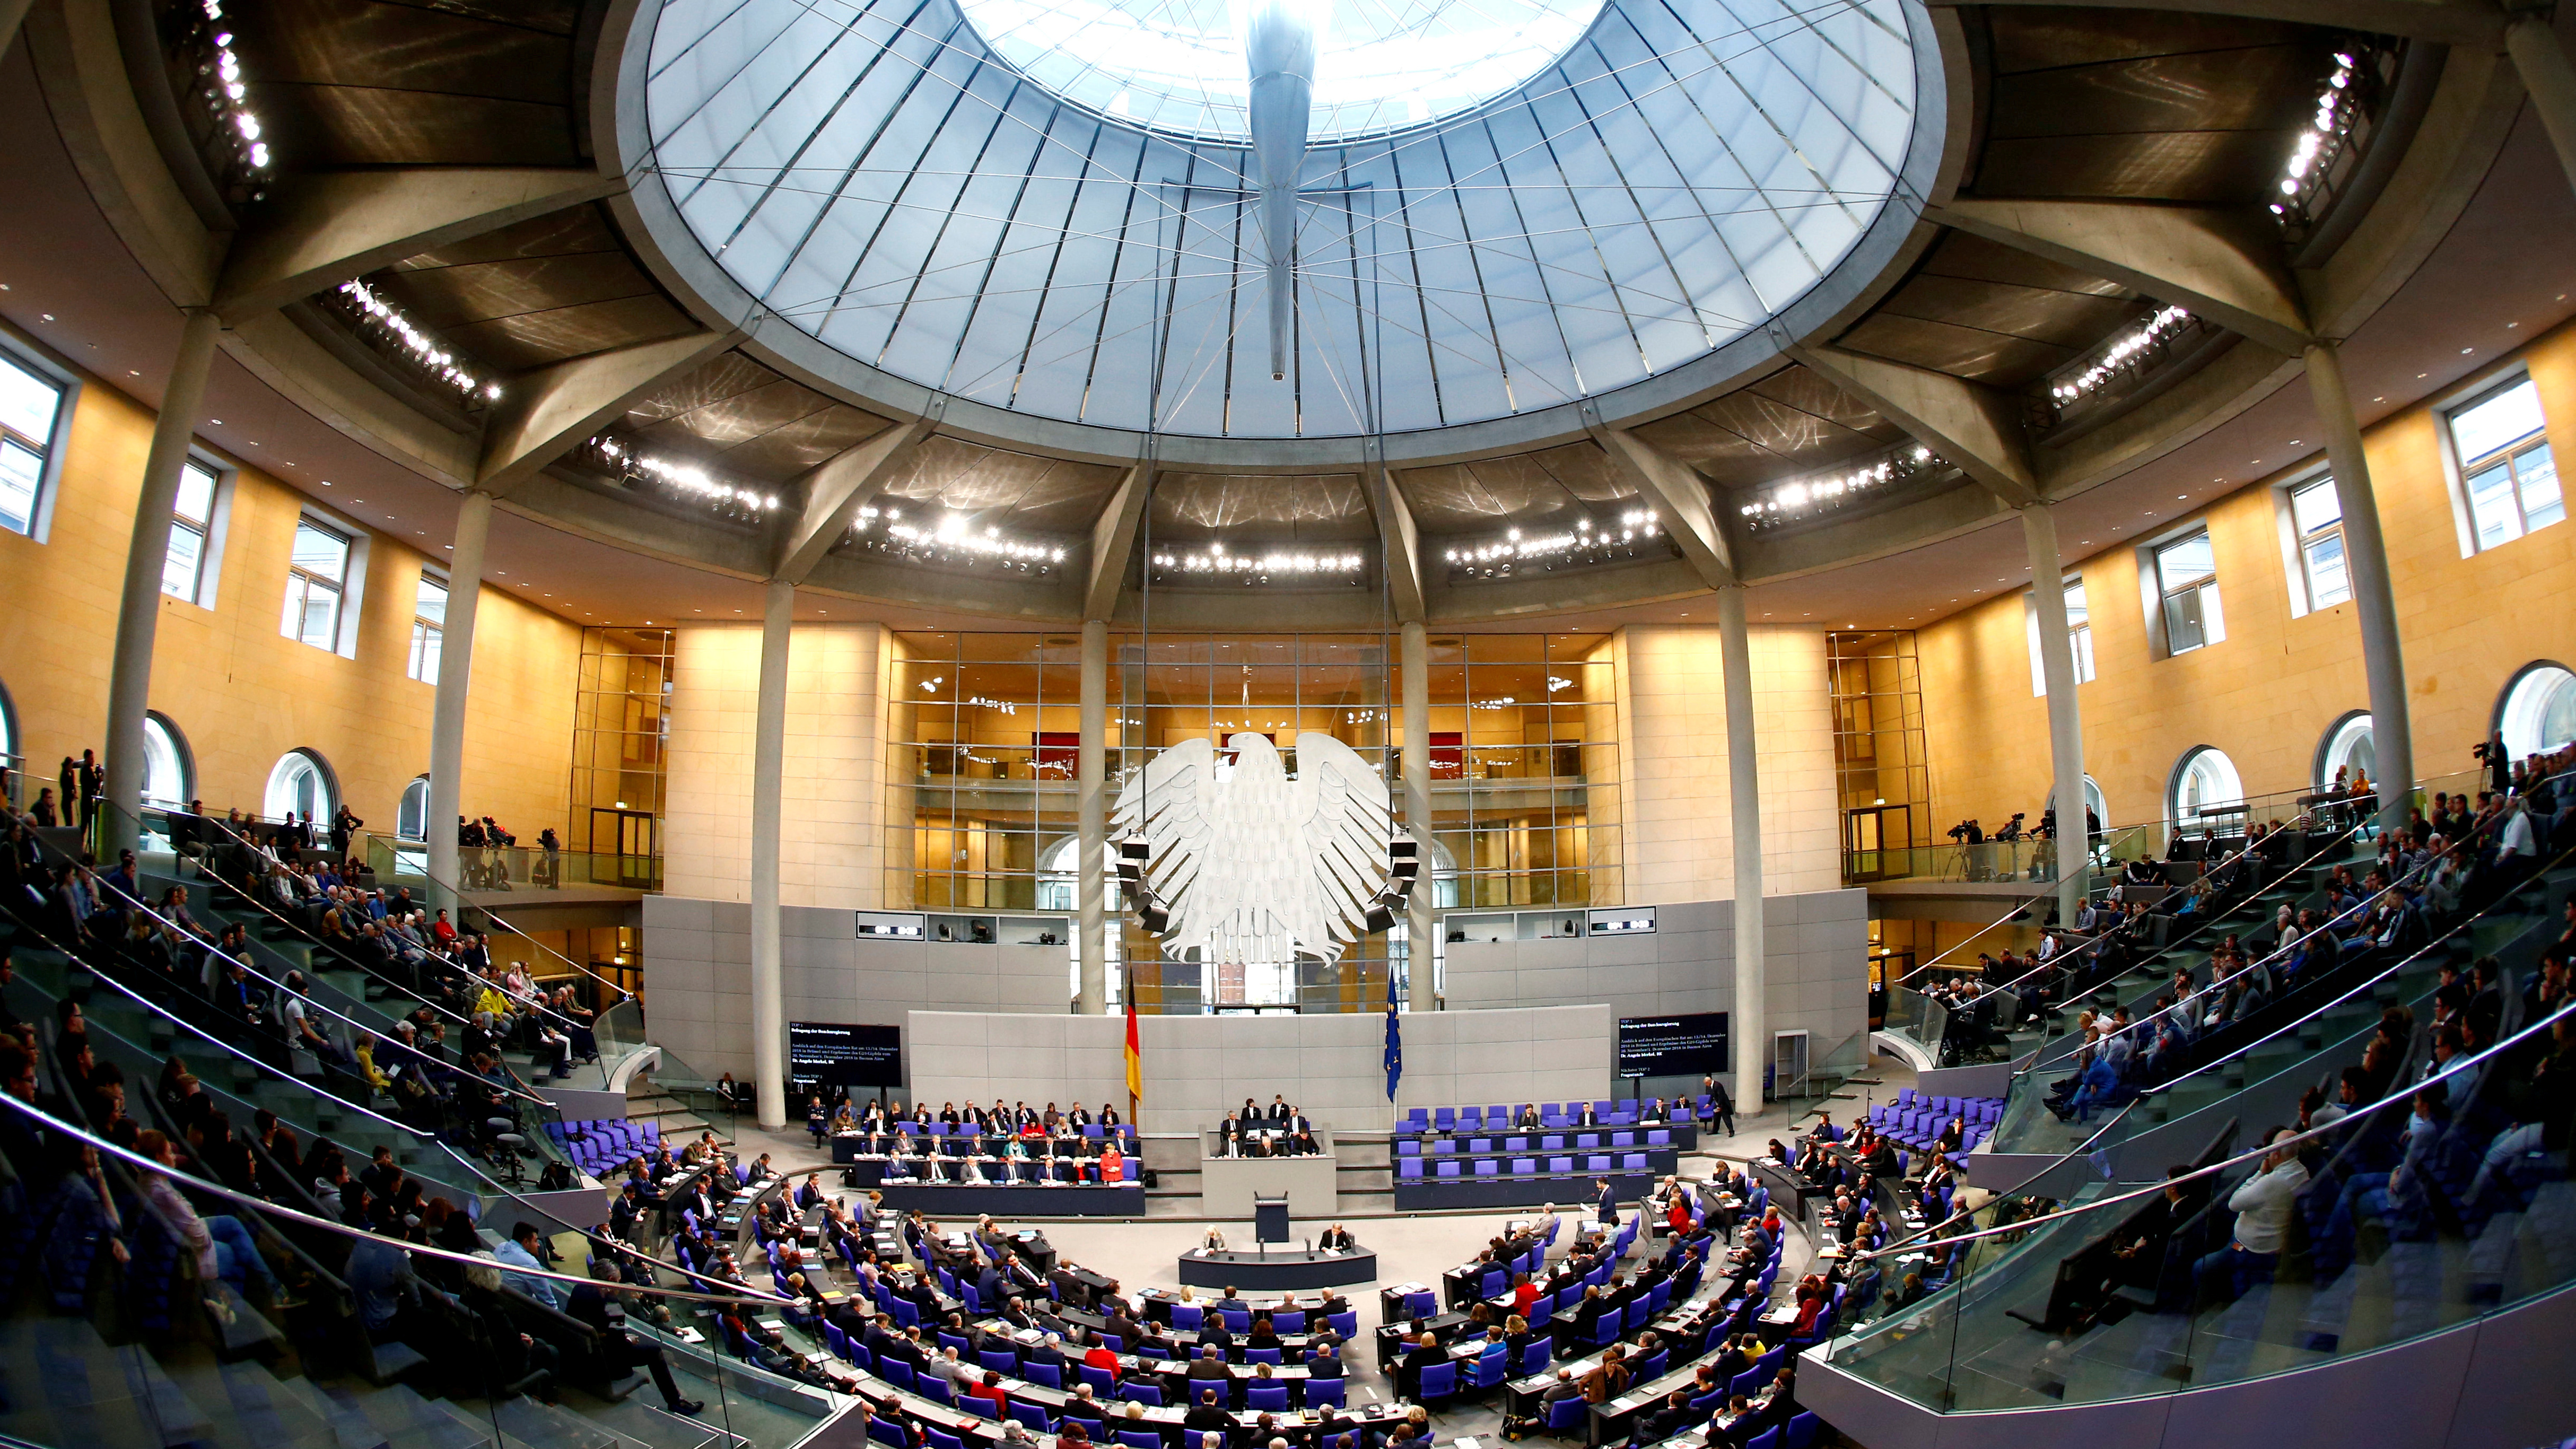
(1394, 1041)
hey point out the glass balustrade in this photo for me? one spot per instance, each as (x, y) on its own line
(2437, 1205)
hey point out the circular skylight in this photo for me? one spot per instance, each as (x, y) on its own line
(1178, 65)
(1084, 211)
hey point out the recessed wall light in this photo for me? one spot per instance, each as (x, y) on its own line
(130, 372)
(48, 316)
(216, 422)
(2465, 351)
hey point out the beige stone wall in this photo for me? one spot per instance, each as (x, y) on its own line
(833, 848)
(1677, 836)
(243, 694)
(2268, 694)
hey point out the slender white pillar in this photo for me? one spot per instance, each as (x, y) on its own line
(2365, 557)
(2550, 80)
(2074, 842)
(1091, 768)
(1413, 668)
(138, 619)
(768, 769)
(455, 675)
(1744, 803)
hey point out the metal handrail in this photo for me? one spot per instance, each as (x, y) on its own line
(229, 1194)
(272, 913)
(2284, 949)
(2156, 1189)
(2302, 1019)
(306, 996)
(2340, 840)
(623, 995)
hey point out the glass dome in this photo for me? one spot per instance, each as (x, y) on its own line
(961, 199)
(1178, 65)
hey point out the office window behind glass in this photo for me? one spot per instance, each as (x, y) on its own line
(192, 531)
(317, 580)
(31, 410)
(2079, 637)
(428, 627)
(2505, 465)
(2316, 515)
(2187, 586)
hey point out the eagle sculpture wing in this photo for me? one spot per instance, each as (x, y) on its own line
(1172, 803)
(1342, 812)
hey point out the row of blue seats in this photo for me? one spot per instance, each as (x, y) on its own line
(1551, 1142)
(598, 1145)
(1410, 1169)
(1610, 1112)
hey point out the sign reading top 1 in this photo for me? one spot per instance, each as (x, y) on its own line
(1672, 1046)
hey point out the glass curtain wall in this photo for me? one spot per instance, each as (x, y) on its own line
(1881, 770)
(1524, 770)
(984, 732)
(620, 743)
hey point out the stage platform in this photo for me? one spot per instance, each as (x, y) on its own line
(1490, 1192)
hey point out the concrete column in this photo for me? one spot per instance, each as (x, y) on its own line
(1091, 769)
(1413, 667)
(768, 769)
(455, 674)
(2065, 719)
(129, 680)
(2541, 61)
(2365, 556)
(1744, 803)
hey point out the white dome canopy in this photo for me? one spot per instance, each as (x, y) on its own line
(981, 224)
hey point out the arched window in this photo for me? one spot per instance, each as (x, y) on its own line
(411, 822)
(301, 784)
(2094, 801)
(168, 774)
(9, 760)
(2347, 747)
(2538, 710)
(2204, 784)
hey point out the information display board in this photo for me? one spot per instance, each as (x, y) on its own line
(844, 1054)
(1672, 1046)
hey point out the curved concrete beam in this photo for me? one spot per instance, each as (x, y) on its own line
(834, 491)
(1680, 497)
(1113, 544)
(2218, 263)
(1973, 426)
(318, 231)
(550, 411)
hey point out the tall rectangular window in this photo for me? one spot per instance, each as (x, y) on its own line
(2317, 514)
(317, 578)
(2187, 580)
(192, 524)
(428, 627)
(2079, 638)
(2505, 465)
(30, 406)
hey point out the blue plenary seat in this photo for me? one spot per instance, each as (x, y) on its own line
(1439, 1381)
(1321, 1393)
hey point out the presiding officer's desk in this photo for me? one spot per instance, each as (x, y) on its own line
(1280, 1269)
(1232, 1174)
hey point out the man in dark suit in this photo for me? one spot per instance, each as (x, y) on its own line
(1584, 1116)
(1278, 1108)
(1208, 1367)
(1608, 1208)
(1338, 1239)
(1208, 1415)
(1325, 1362)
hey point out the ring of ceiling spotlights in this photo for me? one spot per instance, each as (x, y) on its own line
(1046, 232)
